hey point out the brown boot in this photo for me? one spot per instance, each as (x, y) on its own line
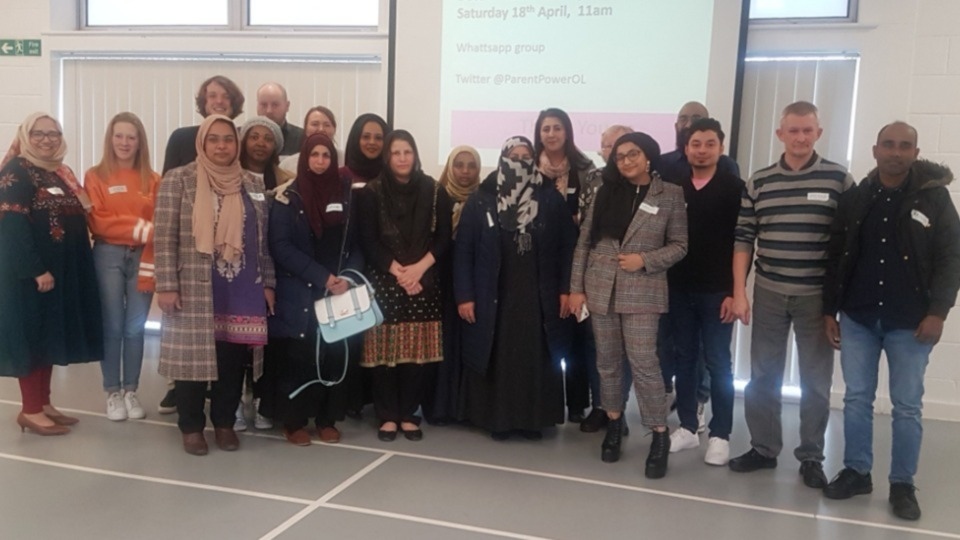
(195, 444)
(226, 439)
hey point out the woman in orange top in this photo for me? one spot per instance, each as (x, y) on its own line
(123, 190)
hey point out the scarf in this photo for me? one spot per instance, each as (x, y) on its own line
(354, 159)
(319, 191)
(218, 232)
(457, 193)
(560, 173)
(516, 183)
(21, 147)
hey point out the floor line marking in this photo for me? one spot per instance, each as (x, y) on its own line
(575, 479)
(429, 521)
(304, 512)
(157, 480)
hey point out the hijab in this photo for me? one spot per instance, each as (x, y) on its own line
(218, 232)
(22, 147)
(354, 158)
(319, 191)
(617, 200)
(516, 183)
(457, 193)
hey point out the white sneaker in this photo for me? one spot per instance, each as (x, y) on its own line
(701, 417)
(241, 422)
(116, 410)
(718, 452)
(260, 421)
(132, 404)
(682, 439)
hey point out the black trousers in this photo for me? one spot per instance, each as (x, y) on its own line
(224, 392)
(296, 365)
(397, 392)
(577, 381)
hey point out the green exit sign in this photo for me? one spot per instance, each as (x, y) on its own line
(19, 47)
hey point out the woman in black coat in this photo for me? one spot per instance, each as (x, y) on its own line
(511, 266)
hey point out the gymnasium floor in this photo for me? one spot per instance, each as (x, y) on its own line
(132, 480)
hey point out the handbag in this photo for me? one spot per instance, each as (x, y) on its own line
(350, 313)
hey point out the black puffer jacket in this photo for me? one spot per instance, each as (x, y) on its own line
(928, 234)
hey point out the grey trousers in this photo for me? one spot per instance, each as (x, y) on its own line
(773, 314)
(635, 334)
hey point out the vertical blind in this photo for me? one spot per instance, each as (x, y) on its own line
(770, 84)
(162, 91)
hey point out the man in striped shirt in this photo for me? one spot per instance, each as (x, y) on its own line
(787, 209)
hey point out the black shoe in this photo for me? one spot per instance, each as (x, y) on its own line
(903, 499)
(595, 421)
(610, 449)
(575, 416)
(355, 414)
(659, 452)
(413, 434)
(168, 405)
(499, 435)
(752, 461)
(847, 484)
(386, 436)
(531, 434)
(812, 473)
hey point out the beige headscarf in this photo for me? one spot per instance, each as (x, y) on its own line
(457, 193)
(218, 232)
(22, 147)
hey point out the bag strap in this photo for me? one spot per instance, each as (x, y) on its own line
(319, 364)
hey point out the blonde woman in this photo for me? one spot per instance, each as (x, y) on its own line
(123, 190)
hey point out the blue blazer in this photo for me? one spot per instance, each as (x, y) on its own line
(476, 268)
(301, 280)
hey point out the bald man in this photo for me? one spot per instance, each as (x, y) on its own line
(893, 274)
(272, 102)
(674, 166)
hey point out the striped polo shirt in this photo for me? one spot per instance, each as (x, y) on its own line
(788, 214)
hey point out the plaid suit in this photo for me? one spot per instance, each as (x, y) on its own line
(187, 347)
(626, 306)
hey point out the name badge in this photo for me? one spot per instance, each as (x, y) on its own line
(649, 208)
(258, 197)
(113, 190)
(920, 218)
(334, 207)
(820, 197)
(358, 185)
(489, 220)
(55, 191)
(571, 190)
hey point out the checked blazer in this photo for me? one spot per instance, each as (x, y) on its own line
(658, 232)
(187, 346)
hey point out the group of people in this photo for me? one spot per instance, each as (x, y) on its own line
(509, 302)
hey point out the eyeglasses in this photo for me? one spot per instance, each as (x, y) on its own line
(52, 136)
(631, 155)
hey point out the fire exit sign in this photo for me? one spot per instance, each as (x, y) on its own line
(19, 47)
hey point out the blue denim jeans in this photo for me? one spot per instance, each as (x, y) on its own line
(907, 358)
(695, 319)
(124, 314)
(667, 353)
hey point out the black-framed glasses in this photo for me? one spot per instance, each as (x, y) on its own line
(52, 136)
(632, 155)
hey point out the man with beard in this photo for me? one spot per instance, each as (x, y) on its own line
(674, 166)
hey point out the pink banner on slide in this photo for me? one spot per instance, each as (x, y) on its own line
(488, 129)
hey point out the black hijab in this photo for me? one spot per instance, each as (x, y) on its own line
(617, 200)
(354, 159)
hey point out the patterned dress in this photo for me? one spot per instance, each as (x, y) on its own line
(43, 229)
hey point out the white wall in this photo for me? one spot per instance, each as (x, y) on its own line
(910, 70)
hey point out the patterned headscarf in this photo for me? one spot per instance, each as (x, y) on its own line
(516, 183)
(458, 193)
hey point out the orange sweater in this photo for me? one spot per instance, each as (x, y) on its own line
(122, 215)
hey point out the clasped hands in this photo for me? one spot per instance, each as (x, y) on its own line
(408, 277)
